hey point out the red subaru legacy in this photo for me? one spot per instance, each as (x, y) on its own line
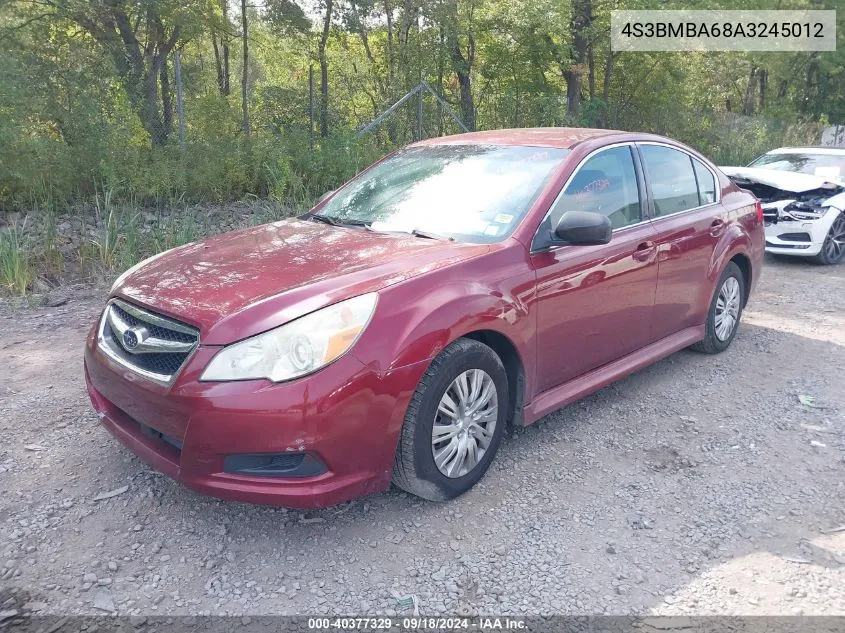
(390, 334)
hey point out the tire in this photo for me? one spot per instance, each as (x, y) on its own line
(415, 469)
(833, 249)
(716, 340)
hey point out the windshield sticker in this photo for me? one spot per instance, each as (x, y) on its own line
(491, 230)
(502, 218)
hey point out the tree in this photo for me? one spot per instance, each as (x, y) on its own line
(245, 75)
(328, 7)
(582, 18)
(460, 45)
(138, 37)
(221, 61)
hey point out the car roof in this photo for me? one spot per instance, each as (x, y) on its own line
(560, 137)
(808, 149)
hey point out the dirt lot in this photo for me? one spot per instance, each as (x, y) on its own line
(699, 485)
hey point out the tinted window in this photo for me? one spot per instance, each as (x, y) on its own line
(475, 193)
(605, 184)
(672, 180)
(706, 183)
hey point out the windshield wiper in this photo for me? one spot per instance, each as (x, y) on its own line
(325, 219)
(352, 222)
(431, 236)
(322, 218)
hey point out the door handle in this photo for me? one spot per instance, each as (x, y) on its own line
(644, 250)
(716, 227)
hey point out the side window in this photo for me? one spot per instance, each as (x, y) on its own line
(605, 184)
(673, 184)
(706, 183)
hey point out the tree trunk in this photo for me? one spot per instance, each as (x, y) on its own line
(324, 70)
(591, 62)
(463, 67)
(809, 82)
(245, 77)
(748, 102)
(391, 52)
(391, 69)
(582, 11)
(218, 63)
(166, 100)
(764, 86)
(440, 72)
(324, 95)
(225, 84)
(150, 116)
(608, 70)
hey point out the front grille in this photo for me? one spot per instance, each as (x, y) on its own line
(152, 345)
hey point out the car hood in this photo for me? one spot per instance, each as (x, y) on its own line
(243, 283)
(784, 180)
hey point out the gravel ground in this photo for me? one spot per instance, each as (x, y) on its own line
(701, 485)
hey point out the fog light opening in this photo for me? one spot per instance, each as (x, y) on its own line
(274, 465)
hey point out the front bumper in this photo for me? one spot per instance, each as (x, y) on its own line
(788, 236)
(346, 417)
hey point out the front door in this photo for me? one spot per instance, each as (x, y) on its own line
(594, 303)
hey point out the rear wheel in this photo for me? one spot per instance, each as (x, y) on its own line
(833, 248)
(454, 423)
(724, 313)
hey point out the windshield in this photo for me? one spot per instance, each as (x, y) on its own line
(830, 166)
(472, 193)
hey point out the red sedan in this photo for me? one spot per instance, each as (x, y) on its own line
(389, 335)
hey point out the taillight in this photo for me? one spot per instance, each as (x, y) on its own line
(758, 208)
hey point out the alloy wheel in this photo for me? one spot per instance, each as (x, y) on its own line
(727, 308)
(834, 245)
(464, 423)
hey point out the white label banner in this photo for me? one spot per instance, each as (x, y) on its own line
(739, 30)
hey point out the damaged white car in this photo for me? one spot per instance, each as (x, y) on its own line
(802, 190)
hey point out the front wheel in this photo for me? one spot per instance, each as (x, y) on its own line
(454, 423)
(833, 248)
(724, 313)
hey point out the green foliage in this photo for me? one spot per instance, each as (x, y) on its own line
(16, 269)
(81, 132)
(74, 116)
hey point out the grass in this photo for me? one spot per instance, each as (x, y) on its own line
(16, 267)
(108, 237)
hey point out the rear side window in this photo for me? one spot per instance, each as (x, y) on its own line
(606, 184)
(706, 183)
(673, 184)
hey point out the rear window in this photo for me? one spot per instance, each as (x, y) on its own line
(674, 187)
(474, 193)
(706, 183)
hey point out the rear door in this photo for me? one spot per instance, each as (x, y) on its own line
(689, 220)
(594, 303)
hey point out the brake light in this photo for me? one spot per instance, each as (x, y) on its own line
(758, 208)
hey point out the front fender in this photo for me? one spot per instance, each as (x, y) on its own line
(417, 319)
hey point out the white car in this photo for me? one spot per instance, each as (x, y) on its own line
(803, 194)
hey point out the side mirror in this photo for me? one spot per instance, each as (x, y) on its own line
(583, 227)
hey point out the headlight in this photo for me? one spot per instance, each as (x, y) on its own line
(296, 348)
